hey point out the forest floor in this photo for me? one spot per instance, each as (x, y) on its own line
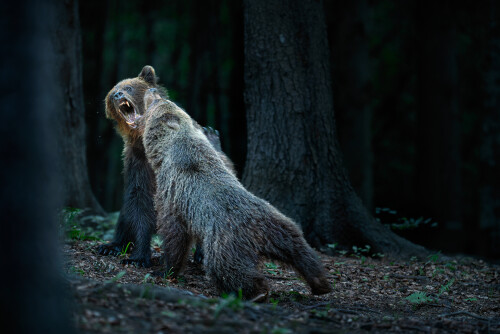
(439, 295)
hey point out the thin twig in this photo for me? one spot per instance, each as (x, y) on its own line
(468, 314)
(317, 305)
(422, 278)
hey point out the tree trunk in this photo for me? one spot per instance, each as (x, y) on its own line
(438, 140)
(293, 159)
(489, 220)
(352, 73)
(32, 289)
(67, 44)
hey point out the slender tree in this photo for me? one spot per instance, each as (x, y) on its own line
(293, 157)
(66, 40)
(33, 297)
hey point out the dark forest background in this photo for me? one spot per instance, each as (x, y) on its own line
(414, 93)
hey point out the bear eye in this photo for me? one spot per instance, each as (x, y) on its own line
(128, 89)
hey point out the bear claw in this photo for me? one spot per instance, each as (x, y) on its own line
(109, 249)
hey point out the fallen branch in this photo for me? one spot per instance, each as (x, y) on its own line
(465, 313)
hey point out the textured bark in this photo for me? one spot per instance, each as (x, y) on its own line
(438, 141)
(32, 291)
(352, 72)
(68, 75)
(489, 220)
(293, 159)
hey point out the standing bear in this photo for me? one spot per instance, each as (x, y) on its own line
(199, 199)
(137, 220)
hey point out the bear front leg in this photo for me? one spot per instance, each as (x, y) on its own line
(137, 221)
(176, 244)
(121, 239)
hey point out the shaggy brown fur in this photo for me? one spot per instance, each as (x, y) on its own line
(137, 221)
(198, 198)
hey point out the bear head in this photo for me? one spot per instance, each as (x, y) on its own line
(125, 102)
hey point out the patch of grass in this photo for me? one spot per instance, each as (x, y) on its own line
(168, 276)
(450, 266)
(125, 249)
(322, 314)
(117, 277)
(402, 223)
(274, 302)
(78, 271)
(445, 288)
(420, 298)
(360, 250)
(272, 268)
(231, 301)
(75, 227)
(70, 225)
(434, 257)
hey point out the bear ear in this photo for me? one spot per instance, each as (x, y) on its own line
(171, 121)
(148, 74)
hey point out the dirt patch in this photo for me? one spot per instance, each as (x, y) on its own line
(370, 295)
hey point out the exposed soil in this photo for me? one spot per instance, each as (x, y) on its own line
(441, 295)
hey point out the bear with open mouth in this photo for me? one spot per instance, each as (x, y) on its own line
(137, 220)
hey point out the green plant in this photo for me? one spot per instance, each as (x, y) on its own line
(321, 313)
(79, 271)
(434, 257)
(419, 298)
(450, 266)
(445, 288)
(71, 225)
(358, 250)
(231, 301)
(117, 277)
(403, 223)
(280, 330)
(274, 302)
(167, 276)
(125, 249)
(69, 214)
(272, 268)
(146, 278)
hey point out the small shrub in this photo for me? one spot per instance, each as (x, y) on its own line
(419, 298)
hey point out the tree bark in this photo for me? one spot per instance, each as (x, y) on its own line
(66, 40)
(293, 159)
(32, 289)
(489, 220)
(438, 140)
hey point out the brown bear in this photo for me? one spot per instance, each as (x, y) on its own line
(137, 220)
(198, 198)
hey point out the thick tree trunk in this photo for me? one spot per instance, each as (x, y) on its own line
(489, 221)
(31, 289)
(352, 87)
(293, 159)
(438, 141)
(67, 44)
